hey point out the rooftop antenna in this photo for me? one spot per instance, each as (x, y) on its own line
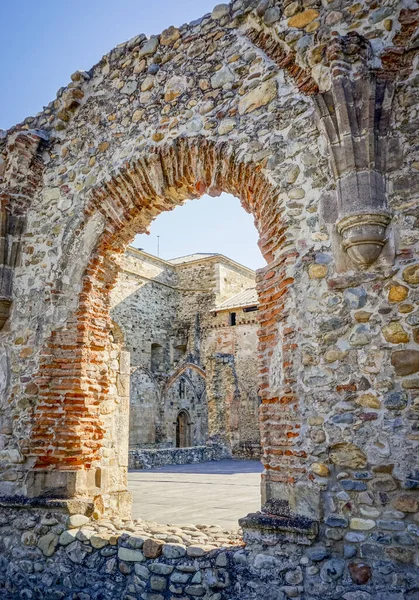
(158, 246)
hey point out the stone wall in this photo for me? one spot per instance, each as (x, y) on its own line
(144, 304)
(231, 280)
(47, 554)
(141, 458)
(167, 315)
(307, 112)
(232, 373)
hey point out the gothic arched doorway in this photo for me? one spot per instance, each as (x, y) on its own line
(183, 427)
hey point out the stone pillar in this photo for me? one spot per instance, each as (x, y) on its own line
(20, 179)
(20, 175)
(88, 465)
(356, 429)
(354, 117)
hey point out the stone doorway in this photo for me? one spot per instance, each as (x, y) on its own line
(183, 430)
(102, 401)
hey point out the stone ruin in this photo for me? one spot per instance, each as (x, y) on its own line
(189, 326)
(306, 110)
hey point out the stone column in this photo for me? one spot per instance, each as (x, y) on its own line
(80, 427)
(354, 116)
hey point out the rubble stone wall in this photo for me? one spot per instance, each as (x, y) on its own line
(44, 553)
(307, 112)
(143, 458)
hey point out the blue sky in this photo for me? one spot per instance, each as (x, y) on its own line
(44, 41)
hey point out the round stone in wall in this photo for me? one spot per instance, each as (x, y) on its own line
(348, 455)
(411, 274)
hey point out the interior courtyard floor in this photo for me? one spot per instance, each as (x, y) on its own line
(211, 493)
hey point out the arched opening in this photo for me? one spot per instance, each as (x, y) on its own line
(189, 299)
(127, 203)
(179, 353)
(184, 392)
(183, 430)
(182, 386)
(183, 304)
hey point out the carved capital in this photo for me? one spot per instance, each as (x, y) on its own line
(354, 116)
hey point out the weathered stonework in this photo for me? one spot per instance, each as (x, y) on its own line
(143, 458)
(20, 173)
(228, 103)
(187, 358)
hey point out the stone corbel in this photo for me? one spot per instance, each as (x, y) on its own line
(354, 115)
(18, 180)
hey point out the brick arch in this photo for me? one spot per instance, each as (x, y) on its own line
(68, 431)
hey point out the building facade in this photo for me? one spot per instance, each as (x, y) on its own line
(190, 327)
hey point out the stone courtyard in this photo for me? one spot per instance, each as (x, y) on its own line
(307, 111)
(213, 493)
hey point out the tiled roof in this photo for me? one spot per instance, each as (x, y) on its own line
(247, 297)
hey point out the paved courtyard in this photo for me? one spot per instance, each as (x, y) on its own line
(216, 493)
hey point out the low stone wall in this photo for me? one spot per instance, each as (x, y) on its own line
(140, 458)
(247, 451)
(48, 555)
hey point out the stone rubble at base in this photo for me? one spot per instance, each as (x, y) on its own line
(60, 557)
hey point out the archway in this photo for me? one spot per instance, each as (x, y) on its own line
(308, 115)
(181, 369)
(135, 136)
(183, 430)
(184, 393)
(126, 204)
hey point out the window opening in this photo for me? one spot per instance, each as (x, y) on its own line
(250, 309)
(156, 357)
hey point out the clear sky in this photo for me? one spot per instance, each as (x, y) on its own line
(205, 225)
(43, 42)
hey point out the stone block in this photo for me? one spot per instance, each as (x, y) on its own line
(129, 555)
